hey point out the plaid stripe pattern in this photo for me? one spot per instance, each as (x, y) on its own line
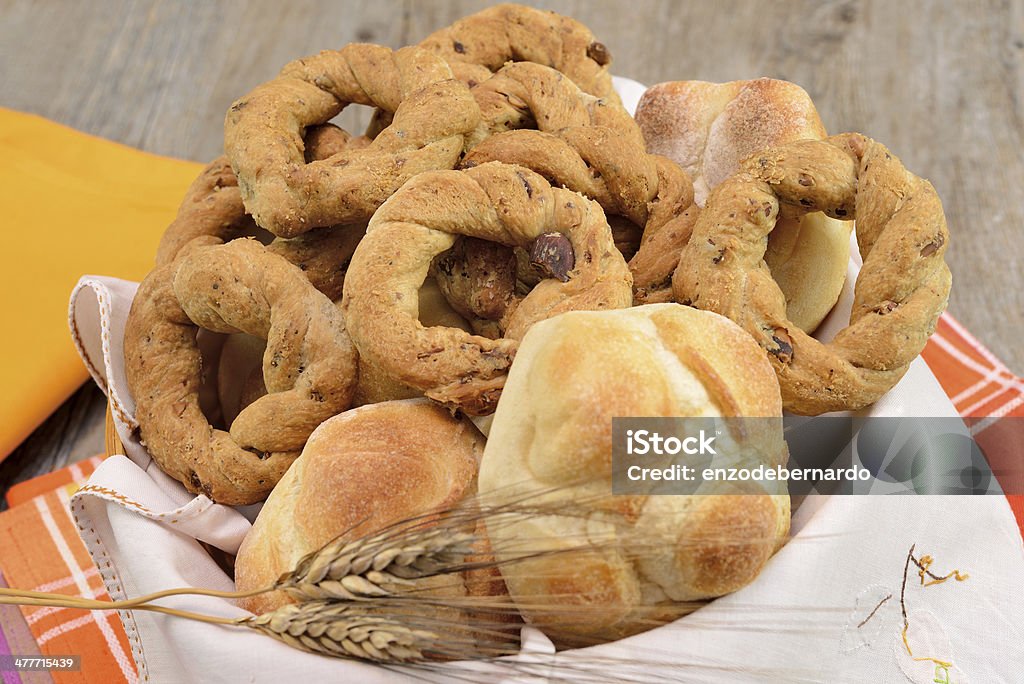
(41, 551)
(985, 392)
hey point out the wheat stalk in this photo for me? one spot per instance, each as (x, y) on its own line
(358, 598)
(341, 629)
(347, 570)
(327, 583)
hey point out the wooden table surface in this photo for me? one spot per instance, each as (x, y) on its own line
(939, 82)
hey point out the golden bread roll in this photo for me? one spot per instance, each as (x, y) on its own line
(359, 472)
(709, 128)
(610, 566)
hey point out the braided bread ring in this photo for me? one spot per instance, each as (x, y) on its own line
(709, 128)
(212, 207)
(263, 134)
(527, 95)
(484, 42)
(497, 202)
(310, 366)
(900, 292)
(586, 144)
(212, 212)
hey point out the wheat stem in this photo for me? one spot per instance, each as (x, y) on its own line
(186, 591)
(131, 603)
(43, 599)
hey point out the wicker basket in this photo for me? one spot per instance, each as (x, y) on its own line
(111, 440)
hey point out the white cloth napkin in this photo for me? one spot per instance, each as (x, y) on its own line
(797, 622)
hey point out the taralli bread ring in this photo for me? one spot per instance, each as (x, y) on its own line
(583, 143)
(213, 210)
(322, 254)
(900, 292)
(484, 42)
(240, 371)
(497, 202)
(433, 112)
(309, 366)
(213, 207)
(709, 129)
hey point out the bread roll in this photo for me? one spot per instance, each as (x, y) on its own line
(622, 564)
(709, 128)
(359, 472)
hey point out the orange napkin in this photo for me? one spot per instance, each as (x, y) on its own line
(72, 204)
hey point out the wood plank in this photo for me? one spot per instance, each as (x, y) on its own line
(160, 75)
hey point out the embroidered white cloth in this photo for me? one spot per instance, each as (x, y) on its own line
(805, 618)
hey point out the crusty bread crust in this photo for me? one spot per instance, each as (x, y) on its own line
(359, 472)
(709, 128)
(572, 375)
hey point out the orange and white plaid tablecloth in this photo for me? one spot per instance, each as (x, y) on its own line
(40, 548)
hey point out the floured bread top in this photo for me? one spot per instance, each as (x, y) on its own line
(709, 128)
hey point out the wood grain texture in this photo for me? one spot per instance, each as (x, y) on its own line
(939, 82)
